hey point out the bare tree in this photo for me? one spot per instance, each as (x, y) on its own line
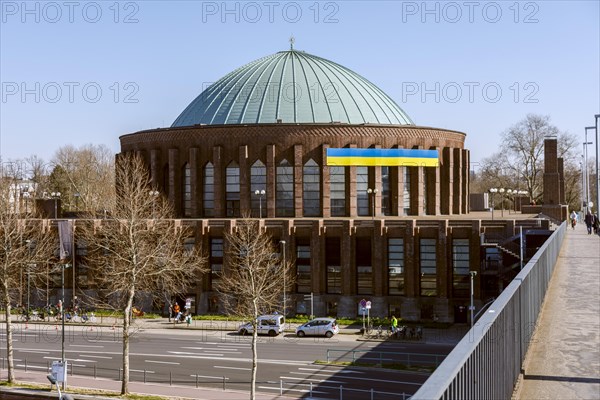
(84, 176)
(139, 249)
(26, 246)
(252, 282)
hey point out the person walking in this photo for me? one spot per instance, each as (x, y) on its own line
(573, 218)
(394, 324)
(176, 312)
(589, 222)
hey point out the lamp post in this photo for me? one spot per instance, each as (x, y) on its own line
(260, 194)
(472, 306)
(587, 176)
(372, 192)
(62, 313)
(492, 192)
(153, 195)
(55, 196)
(501, 191)
(282, 242)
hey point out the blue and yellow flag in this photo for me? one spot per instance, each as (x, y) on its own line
(382, 157)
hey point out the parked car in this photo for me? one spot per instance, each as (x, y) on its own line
(319, 327)
(271, 325)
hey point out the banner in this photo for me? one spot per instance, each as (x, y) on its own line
(65, 234)
(382, 157)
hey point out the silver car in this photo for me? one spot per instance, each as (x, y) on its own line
(318, 327)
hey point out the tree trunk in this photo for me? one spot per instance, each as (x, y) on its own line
(9, 339)
(254, 352)
(126, 326)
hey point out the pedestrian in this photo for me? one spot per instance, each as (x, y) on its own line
(596, 224)
(589, 222)
(177, 312)
(573, 219)
(394, 324)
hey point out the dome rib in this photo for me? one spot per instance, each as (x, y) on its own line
(340, 95)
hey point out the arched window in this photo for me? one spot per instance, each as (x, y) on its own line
(362, 184)
(208, 198)
(311, 192)
(232, 189)
(258, 181)
(186, 186)
(337, 190)
(284, 204)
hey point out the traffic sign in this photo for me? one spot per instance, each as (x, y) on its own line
(363, 303)
(368, 305)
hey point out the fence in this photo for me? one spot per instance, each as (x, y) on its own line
(486, 363)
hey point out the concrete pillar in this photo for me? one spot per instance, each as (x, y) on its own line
(465, 182)
(270, 206)
(155, 168)
(219, 209)
(457, 182)
(411, 267)
(378, 241)
(347, 260)
(318, 272)
(325, 184)
(446, 181)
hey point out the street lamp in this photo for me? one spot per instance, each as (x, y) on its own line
(260, 194)
(587, 177)
(55, 196)
(282, 242)
(374, 193)
(501, 191)
(493, 191)
(62, 313)
(597, 117)
(472, 306)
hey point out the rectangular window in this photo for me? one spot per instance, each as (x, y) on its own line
(337, 188)
(364, 269)
(303, 267)
(209, 191)
(406, 190)
(216, 261)
(362, 184)
(461, 285)
(333, 263)
(284, 190)
(311, 185)
(428, 267)
(396, 266)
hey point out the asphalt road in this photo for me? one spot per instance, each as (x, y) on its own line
(217, 358)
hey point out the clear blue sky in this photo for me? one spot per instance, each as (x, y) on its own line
(149, 59)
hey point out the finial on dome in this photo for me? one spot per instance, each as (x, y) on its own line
(292, 40)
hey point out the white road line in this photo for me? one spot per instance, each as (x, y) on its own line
(325, 375)
(313, 380)
(193, 348)
(208, 377)
(93, 356)
(82, 360)
(32, 366)
(244, 369)
(33, 351)
(162, 362)
(339, 371)
(290, 390)
(85, 345)
(141, 370)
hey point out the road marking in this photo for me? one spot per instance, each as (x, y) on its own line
(141, 370)
(32, 366)
(212, 353)
(82, 360)
(85, 345)
(209, 377)
(313, 380)
(290, 390)
(162, 362)
(340, 371)
(33, 351)
(244, 369)
(93, 356)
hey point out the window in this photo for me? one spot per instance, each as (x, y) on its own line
(216, 261)
(311, 192)
(337, 187)
(232, 189)
(186, 197)
(386, 206)
(303, 267)
(209, 190)
(364, 269)
(460, 268)
(362, 184)
(258, 181)
(428, 267)
(285, 190)
(396, 266)
(406, 191)
(333, 263)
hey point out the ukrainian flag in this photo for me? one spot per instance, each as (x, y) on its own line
(382, 157)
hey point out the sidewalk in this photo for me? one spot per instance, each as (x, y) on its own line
(563, 361)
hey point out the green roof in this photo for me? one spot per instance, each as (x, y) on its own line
(292, 87)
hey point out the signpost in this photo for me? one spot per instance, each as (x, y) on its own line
(363, 309)
(311, 298)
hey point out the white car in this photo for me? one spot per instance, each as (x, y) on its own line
(271, 325)
(318, 327)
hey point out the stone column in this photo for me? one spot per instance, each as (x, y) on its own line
(465, 182)
(155, 168)
(457, 181)
(446, 181)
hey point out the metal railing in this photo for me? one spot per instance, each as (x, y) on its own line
(486, 363)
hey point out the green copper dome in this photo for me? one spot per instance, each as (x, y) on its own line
(292, 87)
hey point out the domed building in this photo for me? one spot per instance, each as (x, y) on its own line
(333, 167)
